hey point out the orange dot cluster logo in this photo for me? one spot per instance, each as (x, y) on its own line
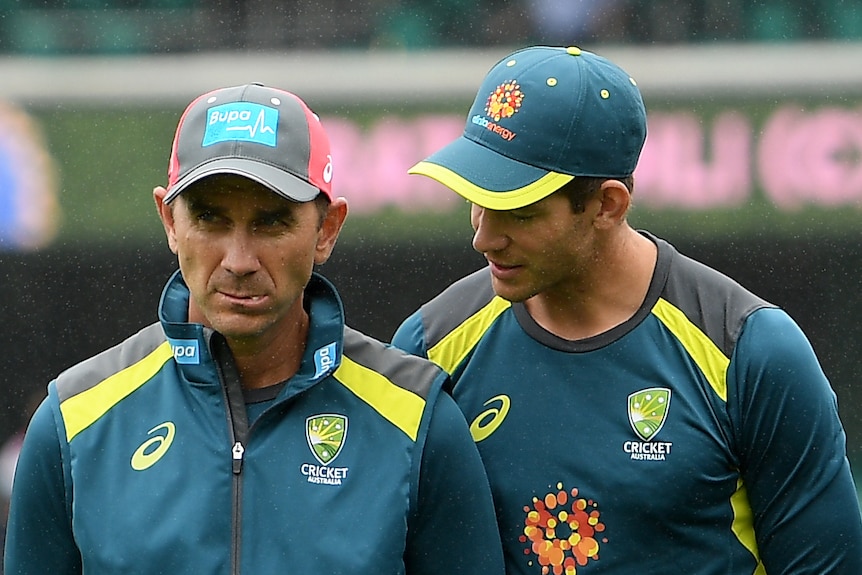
(505, 101)
(561, 530)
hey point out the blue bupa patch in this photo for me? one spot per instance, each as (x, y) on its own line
(185, 350)
(324, 359)
(241, 121)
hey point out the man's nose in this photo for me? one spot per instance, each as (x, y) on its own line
(240, 257)
(488, 231)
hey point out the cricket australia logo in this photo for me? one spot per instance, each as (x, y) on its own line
(648, 410)
(325, 434)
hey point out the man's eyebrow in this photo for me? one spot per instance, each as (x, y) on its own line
(285, 211)
(197, 203)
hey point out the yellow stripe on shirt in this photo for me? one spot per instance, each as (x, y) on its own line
(708, 357)
(452, 349)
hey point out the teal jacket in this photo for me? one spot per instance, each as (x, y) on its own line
(142, 460)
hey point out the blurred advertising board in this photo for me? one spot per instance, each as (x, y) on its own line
(739, 142)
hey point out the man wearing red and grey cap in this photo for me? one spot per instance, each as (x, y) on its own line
(665, 419)
(249, 430)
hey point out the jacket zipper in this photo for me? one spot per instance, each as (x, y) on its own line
(237, 420)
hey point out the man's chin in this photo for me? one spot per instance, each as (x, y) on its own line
(510, 292)
(239, 329)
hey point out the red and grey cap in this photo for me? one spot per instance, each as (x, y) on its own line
(264, 134)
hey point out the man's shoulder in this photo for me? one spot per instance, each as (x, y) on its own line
(460, 300)
(111, 361)
(476, 284)
(712, 300)
(400, 368)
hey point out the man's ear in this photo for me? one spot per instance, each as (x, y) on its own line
(615, 201)
(166, 214)
(333, 221)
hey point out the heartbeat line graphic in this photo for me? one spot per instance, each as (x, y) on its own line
(252, 130)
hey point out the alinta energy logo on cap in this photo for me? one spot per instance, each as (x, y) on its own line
(504, 102)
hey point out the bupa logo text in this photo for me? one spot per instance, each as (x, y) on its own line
(241, 121)
(324, 359)
(186, 351)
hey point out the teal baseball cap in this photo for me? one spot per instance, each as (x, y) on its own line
(543, 116)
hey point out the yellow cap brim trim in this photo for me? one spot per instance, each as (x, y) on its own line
(511, 200)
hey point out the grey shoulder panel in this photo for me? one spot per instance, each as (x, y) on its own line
(407, 371)
(96, 369)
(714, 302)
(456, 304)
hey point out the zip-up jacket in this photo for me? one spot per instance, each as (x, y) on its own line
(142, 460)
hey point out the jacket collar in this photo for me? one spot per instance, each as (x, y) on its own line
(190, 341)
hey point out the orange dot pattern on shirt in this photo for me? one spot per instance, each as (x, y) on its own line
(561, 531)
(504, 101)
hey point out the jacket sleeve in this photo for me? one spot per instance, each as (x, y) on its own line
(39, 533)
(454, 528)
(410, 336)
(793, 452)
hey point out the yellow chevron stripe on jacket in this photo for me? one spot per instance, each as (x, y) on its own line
(82, 410)
(399, 406)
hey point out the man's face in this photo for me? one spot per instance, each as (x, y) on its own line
(246, 254)
(542, 249)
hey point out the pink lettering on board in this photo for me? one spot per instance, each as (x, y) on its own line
(811, 157)
(678, 170)
(370, 166)
(799, 157)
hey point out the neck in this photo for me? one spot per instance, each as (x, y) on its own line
(262, 364)
(606, 296)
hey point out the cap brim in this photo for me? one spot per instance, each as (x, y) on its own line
(488, 178)
(282, 183)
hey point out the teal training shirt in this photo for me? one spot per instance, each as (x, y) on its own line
(699, 437)
(141, 462)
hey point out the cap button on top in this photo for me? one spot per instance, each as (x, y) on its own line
(573, 51)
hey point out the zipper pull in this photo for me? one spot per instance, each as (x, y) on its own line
(237, 451)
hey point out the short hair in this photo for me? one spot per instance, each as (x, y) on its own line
(582, 188)
(322, 202)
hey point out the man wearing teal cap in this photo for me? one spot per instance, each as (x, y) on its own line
(637, 411)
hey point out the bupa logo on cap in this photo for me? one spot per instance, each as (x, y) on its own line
(241, 121)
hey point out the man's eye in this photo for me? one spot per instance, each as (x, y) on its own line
(273, 222)
(205, 216)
